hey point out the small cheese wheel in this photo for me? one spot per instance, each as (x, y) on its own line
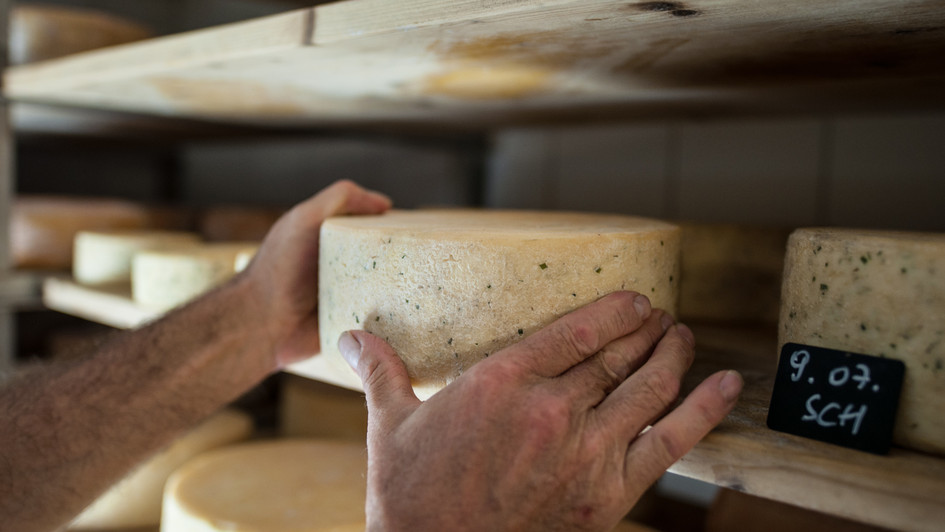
(103, 257)
(46, 32)
(448, 288)
(277, 486)
(135, 501)
(164, 279)
(881, 294)
(731, 273)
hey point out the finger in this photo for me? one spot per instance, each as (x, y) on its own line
(588, 383)
(344, 197)
(578, 335)
(650, 391)
(387, 386)
(675, 435)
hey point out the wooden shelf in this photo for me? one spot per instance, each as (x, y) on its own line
(476, 64)
(902, 491)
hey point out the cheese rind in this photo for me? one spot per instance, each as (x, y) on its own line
(279, 486)
(165, 279)
(881, 294)
(106, 257)
(135, 501)
(448, 288)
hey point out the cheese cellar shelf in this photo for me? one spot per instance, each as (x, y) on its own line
(902, 491)
(472, 63)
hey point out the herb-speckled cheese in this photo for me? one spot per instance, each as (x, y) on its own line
(277, 486)
(135, 501)
(103, 257)
(448, 288)
(163, 280)
(878, 293)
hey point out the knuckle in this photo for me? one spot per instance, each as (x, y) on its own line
(669, 447)
(548, 419)
(662, 385)
(580, 337)
(610, 367)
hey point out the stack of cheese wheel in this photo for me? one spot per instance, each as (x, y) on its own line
(135, 501)
(881, 294)
(731, 273)
(448, 288)
(164, 279)
(104, 257)
(278, 486)
(46, 32)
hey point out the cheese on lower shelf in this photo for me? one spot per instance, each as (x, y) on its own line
(278, 486)
(162, 280)
(731, 273)
(135, 501)
(103, 257)
(448, 288)
(881, 294)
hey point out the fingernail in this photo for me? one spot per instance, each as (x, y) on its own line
(731, 385)
(667, 321)
(642, 304)
(686, 333)
(350, 349)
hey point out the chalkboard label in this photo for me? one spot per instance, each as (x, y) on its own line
(843, 398)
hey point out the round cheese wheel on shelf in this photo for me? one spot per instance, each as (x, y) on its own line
(135, 501)
(278, 486)
(103, 257)
(448, 288)
(46, 32)
(881, 294)
(164, 279)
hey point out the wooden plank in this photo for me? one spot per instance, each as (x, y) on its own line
(109, 305)
(474, 63)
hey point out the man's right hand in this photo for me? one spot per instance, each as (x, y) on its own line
(543, 435)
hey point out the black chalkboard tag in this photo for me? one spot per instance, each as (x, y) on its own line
(837, 397)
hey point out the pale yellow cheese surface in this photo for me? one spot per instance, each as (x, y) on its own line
(103, 257)
(881, 294)
(135, 501)
(164, 279)
(448, 288)
(278, 486)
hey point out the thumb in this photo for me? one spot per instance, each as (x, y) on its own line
(383, 374)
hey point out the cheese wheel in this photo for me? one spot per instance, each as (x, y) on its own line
(135, 501)
(731, 273)
(881, 294)
(164, 279)
(43, 228)
(448, 288)
(105, 257)
(317, 410)
(277, 486)
(45, 32)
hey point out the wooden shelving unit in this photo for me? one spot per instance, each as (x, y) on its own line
(488, 64)
(470, 64)
(902, 491)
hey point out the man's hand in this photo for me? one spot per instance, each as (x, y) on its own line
(284, 274)
(543, 435)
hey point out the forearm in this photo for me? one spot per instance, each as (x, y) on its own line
(70, 431)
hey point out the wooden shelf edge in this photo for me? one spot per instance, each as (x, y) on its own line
(109, 305)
